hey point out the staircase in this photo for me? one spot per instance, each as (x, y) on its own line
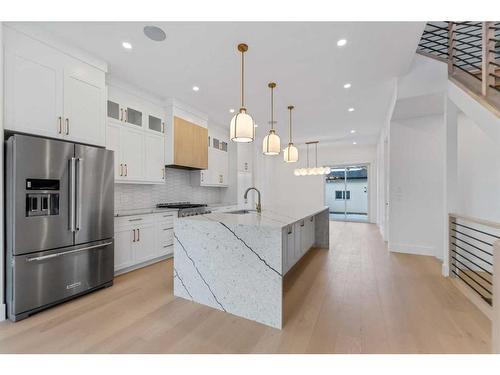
(472, 52)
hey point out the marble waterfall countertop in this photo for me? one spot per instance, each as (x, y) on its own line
(269, 217)
(236, 262)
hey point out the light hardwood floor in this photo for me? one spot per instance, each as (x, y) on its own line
(355, 298)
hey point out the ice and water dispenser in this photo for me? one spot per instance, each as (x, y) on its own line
(42, 197)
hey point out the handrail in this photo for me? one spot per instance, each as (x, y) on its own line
(472, 52)
(488, 223)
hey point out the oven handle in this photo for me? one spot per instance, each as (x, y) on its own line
(67, 252)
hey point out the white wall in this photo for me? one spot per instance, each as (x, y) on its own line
(281, 188)
(2, 250)
(416, 185)
(478, 171)
(358, 196)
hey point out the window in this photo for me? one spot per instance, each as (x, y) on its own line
(341, 194)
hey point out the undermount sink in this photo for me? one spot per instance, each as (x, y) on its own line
(242, 212)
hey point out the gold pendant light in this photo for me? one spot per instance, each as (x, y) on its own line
(271, 144)
(312, 171)
(290, 153)
(242, 125)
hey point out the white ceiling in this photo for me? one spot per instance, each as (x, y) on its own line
(301, 57)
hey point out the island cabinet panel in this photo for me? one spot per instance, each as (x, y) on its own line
(142, 239)
(190, 144)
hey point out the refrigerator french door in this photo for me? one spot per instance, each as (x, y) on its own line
(59, 222)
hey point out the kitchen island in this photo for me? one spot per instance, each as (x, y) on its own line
(236, 261)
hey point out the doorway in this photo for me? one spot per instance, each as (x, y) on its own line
(346, 193)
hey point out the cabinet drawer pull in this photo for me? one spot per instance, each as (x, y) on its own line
(311, 218)
(121, 169)
(121, 114)
(126, 116)
(67, 126)
(168, 216)
(138, 219)
(60, 125)
(126, 170)
(167, 246)
(302, 223)
(138, 235)
(290, 229)
(134, 235)
(163, 127)
(168, 228)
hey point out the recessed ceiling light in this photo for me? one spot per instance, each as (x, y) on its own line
(255, 125)
(196, 88)
(341, 42)
(351, 109)
(347, 85)
(231, 110)
(127, 45)
(353, 131)
(354, 143)
(154, 33)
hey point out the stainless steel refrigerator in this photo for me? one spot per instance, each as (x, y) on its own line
(59, 222)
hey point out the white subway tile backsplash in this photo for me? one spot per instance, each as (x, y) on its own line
(177, 188)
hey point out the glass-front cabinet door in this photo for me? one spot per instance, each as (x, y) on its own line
(113, 110)
(133, 116)
(156, 124)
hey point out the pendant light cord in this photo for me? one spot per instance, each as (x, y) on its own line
(316, 155)
(242, 79)
(308, 155)
(272, 108)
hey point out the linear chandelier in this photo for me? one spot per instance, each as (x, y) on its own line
(312, 171)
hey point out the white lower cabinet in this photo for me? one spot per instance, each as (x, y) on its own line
(142, 239)
(298, 238)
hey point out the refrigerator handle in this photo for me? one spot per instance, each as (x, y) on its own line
(72, 194)
(78, 185)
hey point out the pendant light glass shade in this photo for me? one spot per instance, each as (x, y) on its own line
(271, 145)
(242, 127)
(291, 153)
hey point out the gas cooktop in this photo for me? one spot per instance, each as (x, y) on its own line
(186, 208)
(180, 205)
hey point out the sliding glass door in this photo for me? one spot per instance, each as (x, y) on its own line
(346, 193)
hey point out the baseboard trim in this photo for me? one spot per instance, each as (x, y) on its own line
(412, 249)
(142, 265)
(3, 311)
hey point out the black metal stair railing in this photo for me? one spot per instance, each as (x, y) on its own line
(471, 254)
(472, 51)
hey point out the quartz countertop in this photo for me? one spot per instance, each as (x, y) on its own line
(143, 211)
(269, 217)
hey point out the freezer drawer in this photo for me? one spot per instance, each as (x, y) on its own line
(39, 280)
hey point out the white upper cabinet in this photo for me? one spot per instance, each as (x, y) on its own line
(136, 132)
(50, 93)
(155, 157)
(217, 173)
